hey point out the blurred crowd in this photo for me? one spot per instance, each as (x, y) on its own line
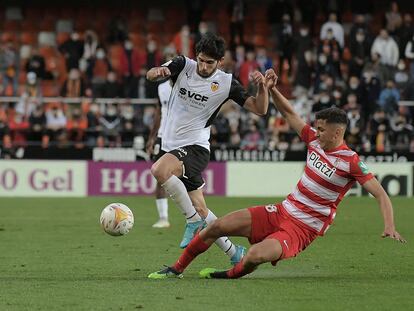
(335, 54)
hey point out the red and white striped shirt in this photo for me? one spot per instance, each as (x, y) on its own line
(327, 177)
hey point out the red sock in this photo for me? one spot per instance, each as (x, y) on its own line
(195, 248)
(238, 271)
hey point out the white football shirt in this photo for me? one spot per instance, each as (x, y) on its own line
(194, 103)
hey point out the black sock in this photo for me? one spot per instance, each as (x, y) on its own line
(219, 275)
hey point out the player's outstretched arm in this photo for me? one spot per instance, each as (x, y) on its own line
(259, 104)
(282, 103)
(158, 73)
(375, 188)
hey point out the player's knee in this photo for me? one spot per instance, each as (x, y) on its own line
(254, 256)
(158, 172)
(214, 229)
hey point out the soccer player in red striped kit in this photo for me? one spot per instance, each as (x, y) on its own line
(283, 230)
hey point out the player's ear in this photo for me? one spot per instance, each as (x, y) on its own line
(220, 61)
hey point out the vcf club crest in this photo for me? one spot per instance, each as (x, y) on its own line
(214, 86)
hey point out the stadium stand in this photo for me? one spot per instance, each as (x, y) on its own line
(360, 61)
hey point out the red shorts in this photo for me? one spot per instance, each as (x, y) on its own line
(271, 222)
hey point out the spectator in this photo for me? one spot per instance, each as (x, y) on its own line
(90, 46)
(237, 12)
(37, 126)
(401, 129)
(409, 54)
(97, 72)
(393, 18)
(360, 51)
(56, 125)
(31, 96)
(129, 125)
(360, 26)
(153, 60)
(76, 128)
(183, 42)
(353, 135)
(337, 29)
(74, 86)
(201, 31)
(36, 63)
(9, 63)
(379, 129)
(112, 87)
(285, 41)
(389, 98)
(371, 88)
(405, 33)
(94, 127)
(387, 48)
(72, 51)
(18, 127)
(247, 68)
(264, 61)
(381, 71)
(304, 70)
(132, 64)
(228, 64)
(118, 30)
(111, 127)
(401, 77)
(253, 139)
(302, 41)
(220, 130)
(195, 10)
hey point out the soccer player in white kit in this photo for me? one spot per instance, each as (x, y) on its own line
(199, 91)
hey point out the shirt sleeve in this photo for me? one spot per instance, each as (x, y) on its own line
(308, 134)
(176, 65)
(359, 170)
(237, 92)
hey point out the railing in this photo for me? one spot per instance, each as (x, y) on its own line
(74, 100)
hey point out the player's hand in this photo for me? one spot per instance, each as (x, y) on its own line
(271, 78)
(391, 233)
(162, 72)
(258, 78)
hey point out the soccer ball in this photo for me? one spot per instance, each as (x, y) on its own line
(116, 219)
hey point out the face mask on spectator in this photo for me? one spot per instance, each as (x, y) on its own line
(360, 37)
(74, 74)
(401, 66)
(151, 46)
(100, 54)
(322, 59)
(303, 32)
(324, 99)
(128, 45)
(94, 108)
(111, 111)
(74, 36)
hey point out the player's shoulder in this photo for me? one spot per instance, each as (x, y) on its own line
(346, 153)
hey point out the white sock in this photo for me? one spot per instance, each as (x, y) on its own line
(224, 242)
(162, 207)
(177, 191)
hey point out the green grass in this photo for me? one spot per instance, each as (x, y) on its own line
(54, 256)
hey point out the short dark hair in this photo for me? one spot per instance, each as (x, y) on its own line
(211, 45)
(333, 115)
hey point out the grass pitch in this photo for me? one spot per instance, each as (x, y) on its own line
(54, 256)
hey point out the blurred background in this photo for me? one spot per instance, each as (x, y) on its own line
(72, 76)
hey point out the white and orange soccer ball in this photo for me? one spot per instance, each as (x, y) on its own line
(117, 219)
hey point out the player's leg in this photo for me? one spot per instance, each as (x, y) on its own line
(165, 171)
(161, 197)
(235, 252)
(266, 251)
(161, 200)
(234, 224)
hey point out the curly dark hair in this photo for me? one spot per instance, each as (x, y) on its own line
(211, 45)
(332, 115)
